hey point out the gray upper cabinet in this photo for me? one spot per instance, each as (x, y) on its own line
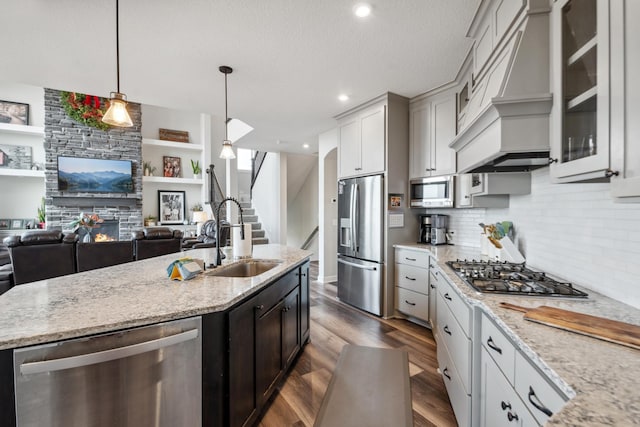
(625, 92)
(432, 123)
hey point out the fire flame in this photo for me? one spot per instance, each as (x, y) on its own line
(103, 238)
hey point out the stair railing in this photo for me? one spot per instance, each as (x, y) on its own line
(215, 193)
(313, 234)
(256, 165)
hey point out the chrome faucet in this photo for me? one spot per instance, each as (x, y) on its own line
(218, 251)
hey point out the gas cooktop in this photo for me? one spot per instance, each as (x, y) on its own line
(511, 278)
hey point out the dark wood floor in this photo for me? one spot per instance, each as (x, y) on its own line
(334, 324)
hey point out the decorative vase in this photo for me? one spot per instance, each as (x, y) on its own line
(87, 237)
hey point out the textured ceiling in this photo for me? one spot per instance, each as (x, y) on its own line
(291, 58)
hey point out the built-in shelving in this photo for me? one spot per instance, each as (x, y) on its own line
(171, 144)
(21, 129)
(24, 173)
(167, 180)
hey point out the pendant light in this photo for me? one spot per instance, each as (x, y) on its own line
(117, 114)
(227, 148)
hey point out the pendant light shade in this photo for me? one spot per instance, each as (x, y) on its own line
(117, 114)
(227, 148)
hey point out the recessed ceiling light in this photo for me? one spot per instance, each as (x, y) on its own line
(343, 97)
(362, 10)
(305, 145)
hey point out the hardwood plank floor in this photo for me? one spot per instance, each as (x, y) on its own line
(334, 324)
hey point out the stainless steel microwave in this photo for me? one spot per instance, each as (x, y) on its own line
(434, 192)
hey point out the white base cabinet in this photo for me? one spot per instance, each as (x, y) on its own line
(411, 278)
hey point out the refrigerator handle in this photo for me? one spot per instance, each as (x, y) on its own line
(352, 217)
(356, 217)
(353, 264)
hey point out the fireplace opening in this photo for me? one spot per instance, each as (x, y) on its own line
(107, 231)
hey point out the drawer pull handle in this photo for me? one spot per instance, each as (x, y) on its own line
(446, 374)
(410, 259)
(430, 265)
(539, 406)
(511, 416)
(259, 307)
(505, 405)
(446, 296)
(432, 287)
(492, 346)
(446, 329)
(409, 278)
(410, 303)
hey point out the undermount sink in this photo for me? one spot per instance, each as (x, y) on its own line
(246, 268)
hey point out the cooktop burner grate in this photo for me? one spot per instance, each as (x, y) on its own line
(511, 278)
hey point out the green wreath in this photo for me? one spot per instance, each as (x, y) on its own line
(85, 109)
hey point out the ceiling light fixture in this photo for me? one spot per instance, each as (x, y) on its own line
(362, 10)
(343, 97)
(117, 114)
(305, 145)
(227, 148)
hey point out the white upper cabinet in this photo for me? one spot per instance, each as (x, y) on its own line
(432, 127)
(625, 92)
(580, 116)
(362, 142)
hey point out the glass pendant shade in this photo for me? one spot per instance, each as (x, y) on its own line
(227, 150)
(117, 114)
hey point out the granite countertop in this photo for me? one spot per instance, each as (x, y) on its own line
(127, 295)
(599, 377)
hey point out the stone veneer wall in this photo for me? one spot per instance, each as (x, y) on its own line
(66, 137)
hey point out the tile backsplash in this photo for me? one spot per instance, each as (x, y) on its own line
(573, 231)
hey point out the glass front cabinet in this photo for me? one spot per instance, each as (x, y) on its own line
(580, 118)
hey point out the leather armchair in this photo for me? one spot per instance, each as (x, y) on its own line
(207, 237)
(90, 256)
(155, 241)
(6, 271)
(41, 254)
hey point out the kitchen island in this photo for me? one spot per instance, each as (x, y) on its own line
(139, 294)
(599, 378)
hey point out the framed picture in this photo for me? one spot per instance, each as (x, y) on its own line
(17, 224)
(15, 156)
(14, 113)
(29, 223)
(171, 207)
(4, 224)
(171, 167)
(395, 201)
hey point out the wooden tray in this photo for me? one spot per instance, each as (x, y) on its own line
(593, 326)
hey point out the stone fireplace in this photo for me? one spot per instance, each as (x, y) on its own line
(66, 137)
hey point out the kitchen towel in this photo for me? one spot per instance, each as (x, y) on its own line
(241, 248)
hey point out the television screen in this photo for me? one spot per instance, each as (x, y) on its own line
(94, 175)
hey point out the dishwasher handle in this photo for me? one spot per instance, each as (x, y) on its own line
(53, 365)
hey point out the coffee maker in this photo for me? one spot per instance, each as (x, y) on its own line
(425, 229)
(439, 225)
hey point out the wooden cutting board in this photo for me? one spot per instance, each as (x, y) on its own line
(585, 324)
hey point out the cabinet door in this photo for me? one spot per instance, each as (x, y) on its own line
(625, 92)
(580, 115)
(433, 298)
(419, 142)
(290, 327)
(304, 303)
(463, 191)
(443, 130)
(268, 351)
(372, 138)
(349, 148)
(499, 403)
(242, 380)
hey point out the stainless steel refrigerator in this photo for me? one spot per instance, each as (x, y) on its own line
(361, 242)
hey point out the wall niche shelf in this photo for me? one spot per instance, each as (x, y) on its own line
(171, 144)
(168, 180)
(22, 173)
(21, 129)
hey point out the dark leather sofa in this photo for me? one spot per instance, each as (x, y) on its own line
(155, 241)
(90, 256)
(41, 254)
(207, 237)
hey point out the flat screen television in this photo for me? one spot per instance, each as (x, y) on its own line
(82, 175)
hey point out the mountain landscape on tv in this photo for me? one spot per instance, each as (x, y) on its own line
(102, 182)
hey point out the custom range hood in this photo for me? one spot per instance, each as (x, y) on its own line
(505, 125)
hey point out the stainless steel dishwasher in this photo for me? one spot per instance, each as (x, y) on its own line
(147, 376)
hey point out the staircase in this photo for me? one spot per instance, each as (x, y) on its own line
(250, 217)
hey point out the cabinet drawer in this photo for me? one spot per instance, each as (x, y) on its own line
(499, 347)
(499, 403)
(413, 278)
(415, 258)
(457, 343)
(460, 400)
(412, 303)
(540, 397)
(273, 293)
(456, 304)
